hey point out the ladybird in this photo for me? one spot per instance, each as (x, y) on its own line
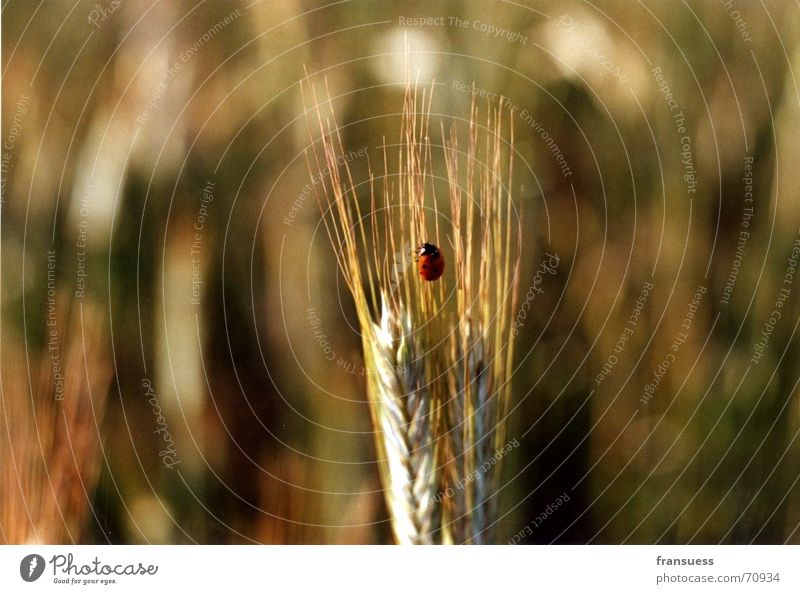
(430, 262)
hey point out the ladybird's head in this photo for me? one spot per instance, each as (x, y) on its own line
(428, 249)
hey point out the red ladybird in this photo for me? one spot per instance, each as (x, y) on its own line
(431, 262)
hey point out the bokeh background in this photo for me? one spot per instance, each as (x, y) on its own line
(179, 357)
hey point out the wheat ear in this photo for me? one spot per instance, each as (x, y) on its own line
(487, 255)
(402, 404)
(396, 314)
(440, 375)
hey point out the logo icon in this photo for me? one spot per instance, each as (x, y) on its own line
(31, 568)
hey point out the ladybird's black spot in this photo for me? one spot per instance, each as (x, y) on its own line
(424, 265)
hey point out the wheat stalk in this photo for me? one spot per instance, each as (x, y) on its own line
(50, 442)
(438, 390)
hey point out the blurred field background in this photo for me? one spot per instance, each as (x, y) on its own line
(179, 357)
